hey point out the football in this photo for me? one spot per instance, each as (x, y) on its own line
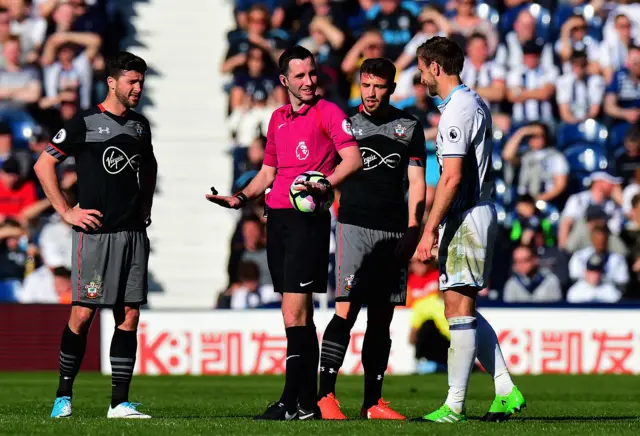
(302, 201)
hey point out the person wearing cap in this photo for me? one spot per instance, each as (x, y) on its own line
(579, 95)
(593, 288)
(531, 86)
(580, 235)
(614, 268)
(15, 195)
(603, 186)
(544, 171)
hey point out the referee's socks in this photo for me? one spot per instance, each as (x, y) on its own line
(296, 337)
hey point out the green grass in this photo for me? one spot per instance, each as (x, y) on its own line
(567, 405)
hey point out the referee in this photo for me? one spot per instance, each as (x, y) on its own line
(378, 232)
(306, 135)
(116, 179)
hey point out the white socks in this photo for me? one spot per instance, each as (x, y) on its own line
(490, 356)
(462, 356)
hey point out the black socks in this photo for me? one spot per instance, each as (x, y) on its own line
(72, 349)
(123, 358)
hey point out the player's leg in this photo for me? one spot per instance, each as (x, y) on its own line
(72, 348)
(508, 398)
(127, 272)
(74, 337)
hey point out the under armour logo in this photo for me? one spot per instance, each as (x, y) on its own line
(103, 130)
(379, 377)
(322, 369)
(357, 131)
(332, 371)
(373, 159)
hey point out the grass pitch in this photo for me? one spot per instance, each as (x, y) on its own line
(567, 405)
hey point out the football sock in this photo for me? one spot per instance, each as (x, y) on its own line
(334, 347)
(462, 356)
(375, 358)
(72, 347)
(309, 386)
(123, 358)
(293, 375)
(490, 356)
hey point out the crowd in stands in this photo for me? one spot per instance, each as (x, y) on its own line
(51, 66)
(562, 78)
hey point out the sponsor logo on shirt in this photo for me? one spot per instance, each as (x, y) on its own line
(115, 160)
(302, 151)
(372, 159)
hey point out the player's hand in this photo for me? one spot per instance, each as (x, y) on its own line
(427, 248)
(406, 245)
(316, 189)
(230, 202)
(86, 219)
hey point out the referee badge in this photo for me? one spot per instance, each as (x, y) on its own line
(400, 131)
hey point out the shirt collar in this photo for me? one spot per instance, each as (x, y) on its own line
(442, 103)
(303, 109)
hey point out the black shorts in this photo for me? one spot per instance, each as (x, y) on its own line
(298, 250)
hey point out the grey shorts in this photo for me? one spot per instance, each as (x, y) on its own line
(367, 269)
(110, 269)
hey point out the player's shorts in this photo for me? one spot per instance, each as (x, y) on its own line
(110, 269)
(466, 248)
(367, 269)
(298, 250)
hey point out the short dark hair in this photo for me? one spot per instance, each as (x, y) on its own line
(248, 271)
(443, 51)
(295, 52)
(380, 67)
(578, 55)
(124, 61)
(477, 35)
(527, 247)
(61, 271)
(635, 201)
(546, 132)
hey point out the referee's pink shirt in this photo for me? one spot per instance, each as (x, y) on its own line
(306, 140)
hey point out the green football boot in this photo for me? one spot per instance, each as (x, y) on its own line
(443, 415)
(505, 406)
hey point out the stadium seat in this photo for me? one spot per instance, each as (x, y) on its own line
(583, 160)
(587, 132)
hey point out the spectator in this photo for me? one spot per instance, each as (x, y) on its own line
(321, 12)
(486, 77)
(580, 236)
(630, 191)
(258, 34)
(543, 170)
(18, 86)
(422, 281)
(430, 334)
(529, 224)
(247, 163)
(574, 38)
(370, 45)
(260, 75)
(14, 244)
(47, 285)
(628, 159)
(251, 120)
(15, 195)
(529, 283)
(69, 72)
(599, 193)
(615, 49)
(325, 42)
(5, 33)
(614, 265)
(464, 24)
(398, 21)
(428, 29)
(631, 237)
(531, 86)
(593, 288)
(510, 54)
(622, 98)
(22, 156)
(275, 8)
(254, 236)
(579, 95)
(30, 29)
(242, 294)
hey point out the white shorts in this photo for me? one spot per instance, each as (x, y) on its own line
(465, 250)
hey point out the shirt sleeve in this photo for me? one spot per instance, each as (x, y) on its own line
(572, 209)
(67, 140)
(338, 126)
(270, 154)
(456, 131)
(596, 89)
(564, 89)
(417, 148)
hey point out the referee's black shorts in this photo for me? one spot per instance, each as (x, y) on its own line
(298, 250)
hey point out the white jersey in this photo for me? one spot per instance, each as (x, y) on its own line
(464, 131)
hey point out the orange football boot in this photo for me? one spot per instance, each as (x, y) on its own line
(330, 408)
(381, 411)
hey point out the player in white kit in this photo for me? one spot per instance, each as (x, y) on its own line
(461, 230)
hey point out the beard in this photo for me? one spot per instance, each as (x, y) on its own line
(432, 89)
(125, 100)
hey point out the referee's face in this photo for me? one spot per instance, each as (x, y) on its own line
(375, 92)
(128, 88)
(302, 79)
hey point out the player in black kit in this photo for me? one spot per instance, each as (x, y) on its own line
(377, 235)
(116, 179)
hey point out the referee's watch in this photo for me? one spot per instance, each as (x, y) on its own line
(242, 197)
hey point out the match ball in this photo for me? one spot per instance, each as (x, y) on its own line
(302, 201)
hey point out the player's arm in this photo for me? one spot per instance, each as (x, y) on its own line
(351, 162)
(148, 176)
(63, 144)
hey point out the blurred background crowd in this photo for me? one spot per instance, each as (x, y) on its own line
(563, 81)
(51, 66)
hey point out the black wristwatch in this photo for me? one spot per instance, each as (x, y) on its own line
(242, 197)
